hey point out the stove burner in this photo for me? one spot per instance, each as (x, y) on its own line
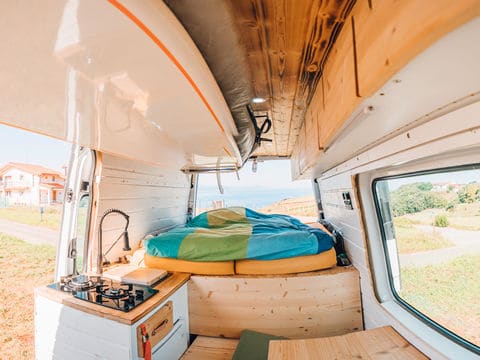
(105, 292)
(114, 293)
(78, 283)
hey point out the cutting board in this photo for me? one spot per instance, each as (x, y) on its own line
(134, 275)
(144, 276)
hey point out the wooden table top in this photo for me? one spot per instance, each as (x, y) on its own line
(379, 343)
(165, 288)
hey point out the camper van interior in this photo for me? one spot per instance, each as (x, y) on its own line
(376, 102)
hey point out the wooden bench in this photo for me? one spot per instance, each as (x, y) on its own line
(379, 343)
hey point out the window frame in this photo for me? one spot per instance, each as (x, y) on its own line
(399, 300)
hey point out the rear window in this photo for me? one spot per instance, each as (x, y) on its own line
(268, 189)
(430, 225)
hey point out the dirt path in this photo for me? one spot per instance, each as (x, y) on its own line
(466, 242)
(31, 234)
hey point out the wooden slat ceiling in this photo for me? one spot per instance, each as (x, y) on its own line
(287, 43)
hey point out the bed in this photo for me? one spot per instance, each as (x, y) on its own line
(241, 241)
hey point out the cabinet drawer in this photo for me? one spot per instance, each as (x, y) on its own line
(174, 344)
(157, 326)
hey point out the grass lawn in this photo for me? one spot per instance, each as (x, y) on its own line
(448, 293)
(22, 267)
(411, 240)
(31, 216)
(462, 216)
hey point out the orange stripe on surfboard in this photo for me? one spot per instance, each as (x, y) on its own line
(167, 52)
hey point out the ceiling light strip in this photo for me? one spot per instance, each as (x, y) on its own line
(167, 52)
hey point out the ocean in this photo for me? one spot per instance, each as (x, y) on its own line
(253, 198)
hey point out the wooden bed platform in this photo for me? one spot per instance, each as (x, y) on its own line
(306, 305)
(379, 343)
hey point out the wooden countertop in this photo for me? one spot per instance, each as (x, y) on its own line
(166, 288)
(379, 343)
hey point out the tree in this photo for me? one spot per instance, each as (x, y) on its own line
(412, 198)
(468, 193)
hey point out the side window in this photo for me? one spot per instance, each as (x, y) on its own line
(82, 230)
(83, 206)
(77, 209)
(430, 225)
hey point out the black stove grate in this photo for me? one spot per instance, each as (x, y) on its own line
(105, 292)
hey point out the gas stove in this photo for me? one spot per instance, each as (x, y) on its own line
(105, 292)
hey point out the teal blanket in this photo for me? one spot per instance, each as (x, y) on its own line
(239, 233)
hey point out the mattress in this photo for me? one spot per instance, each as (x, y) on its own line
(298, 264)
(292, 265)
(192, 267)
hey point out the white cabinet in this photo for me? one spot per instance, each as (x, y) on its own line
(64, 332)
(175, 342)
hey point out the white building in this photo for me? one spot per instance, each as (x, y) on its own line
(30, 185)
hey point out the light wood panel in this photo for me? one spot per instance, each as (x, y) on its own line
(377, 40)
(339, 86)
(313, 304)
(390, 33)
(380, 343)
(333, 101)
(211, 348)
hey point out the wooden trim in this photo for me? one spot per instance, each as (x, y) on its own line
(363, 223)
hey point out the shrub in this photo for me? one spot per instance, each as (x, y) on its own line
(450, 207)
(441, 220)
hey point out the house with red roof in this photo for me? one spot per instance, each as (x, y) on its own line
(30, 184)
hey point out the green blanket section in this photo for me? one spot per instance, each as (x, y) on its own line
(239, 233)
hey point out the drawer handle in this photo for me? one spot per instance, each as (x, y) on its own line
(161, 325)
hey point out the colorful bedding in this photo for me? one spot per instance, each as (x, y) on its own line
(239, 233)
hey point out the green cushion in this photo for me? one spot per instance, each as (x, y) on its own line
(253, 345)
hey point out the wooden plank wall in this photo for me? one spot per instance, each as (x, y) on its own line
(155, 198)
(377, 40)
(307, 305)
(287, 42)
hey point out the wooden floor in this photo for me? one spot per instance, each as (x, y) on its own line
(381, 343)
(211, 348)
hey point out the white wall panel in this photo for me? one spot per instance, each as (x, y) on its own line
(348, 221)
(338, 180)
(155, 198)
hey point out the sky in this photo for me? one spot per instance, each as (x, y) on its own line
(270, 174)
(22, 146)
(456, 177)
